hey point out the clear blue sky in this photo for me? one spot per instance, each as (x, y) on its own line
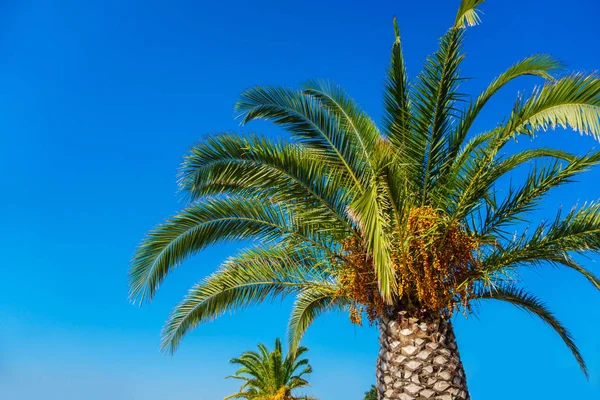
(99, 100)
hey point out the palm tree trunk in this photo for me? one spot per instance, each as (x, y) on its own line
(418, 360)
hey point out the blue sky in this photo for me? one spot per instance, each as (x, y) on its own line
(99, 100)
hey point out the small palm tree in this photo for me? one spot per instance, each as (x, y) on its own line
(371, 394)
(404, 222)
(269, 376)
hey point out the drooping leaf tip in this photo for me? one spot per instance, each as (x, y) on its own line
(468, 14)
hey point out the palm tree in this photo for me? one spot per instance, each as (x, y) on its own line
(269, 376)
(402, 222)
(371, 394)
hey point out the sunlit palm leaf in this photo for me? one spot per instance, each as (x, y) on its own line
(304, 117)
(577, 232)
(253, 276)
(541, 65)
(369, 212)
(310, 303)
(409, 146)
(467, 14)
(480, 174)
(571, 102)
(539, 182)
(279, 172)
(207, 223)
(433, 105)
(354, 120)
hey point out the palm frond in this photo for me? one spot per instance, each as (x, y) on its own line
(249, 278)
(206, 223)
(396, 120)
(534, 306)
(309, 304)
(570, 102)
(568, 262)
(369, 213)
(433, 105)
(578, 232)
(538, 183)
(468, 14)
(470, 150)
(307, 120)
(472, 184)
(541, 65)
(284, 173)
(353, 119)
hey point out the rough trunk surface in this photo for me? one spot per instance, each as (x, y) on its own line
(419, 360)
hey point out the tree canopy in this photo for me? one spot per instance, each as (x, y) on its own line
(403, 216)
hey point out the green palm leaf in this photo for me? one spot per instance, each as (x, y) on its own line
(207, 223)
(539, 182)
(354, 121)
(577, 232)
(397, 117)
(280, 172)
(310, 303)
(529, 303)
(467, 14)
(433, 104)
(570, 102)
(541, 65)
(369, 212)
(252, 277)
(304, 117)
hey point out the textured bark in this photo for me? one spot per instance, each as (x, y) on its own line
(419, 360)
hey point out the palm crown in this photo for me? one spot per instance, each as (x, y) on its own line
(269, 376)
(404, 217)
